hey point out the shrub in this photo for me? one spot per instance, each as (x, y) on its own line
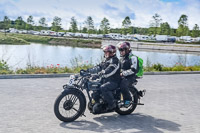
(178, 68)
(157, 67)
(4, 68)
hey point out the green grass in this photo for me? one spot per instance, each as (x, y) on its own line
(75, 42)
(32, 38)
(9, 39)
(178, 67)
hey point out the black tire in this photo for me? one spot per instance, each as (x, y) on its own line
(132, 107)
(70, 97)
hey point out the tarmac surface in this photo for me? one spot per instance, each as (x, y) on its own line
(171, 105)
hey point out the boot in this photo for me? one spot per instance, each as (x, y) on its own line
(96, 108)
(111, 106)
(127, 103)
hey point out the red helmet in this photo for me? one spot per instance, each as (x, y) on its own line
(124, 46)
(111, 49)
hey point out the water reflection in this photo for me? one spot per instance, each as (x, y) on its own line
(18, 56)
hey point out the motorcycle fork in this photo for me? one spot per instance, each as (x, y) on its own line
(90, 98)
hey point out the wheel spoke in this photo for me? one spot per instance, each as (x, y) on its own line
(75, 109)
(72, 102)
(75, 99)
(72, 97)
(66, 97)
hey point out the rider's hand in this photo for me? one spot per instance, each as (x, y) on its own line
(101, 73)
(94, 77)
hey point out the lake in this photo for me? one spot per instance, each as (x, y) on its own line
(18, 56)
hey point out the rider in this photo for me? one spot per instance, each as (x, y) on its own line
(109, 69)
(129, 65)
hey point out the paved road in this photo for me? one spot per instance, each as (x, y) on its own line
(171, 105)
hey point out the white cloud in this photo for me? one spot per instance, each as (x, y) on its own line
(140, 11)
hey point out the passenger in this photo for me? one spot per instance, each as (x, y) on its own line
(129, 66)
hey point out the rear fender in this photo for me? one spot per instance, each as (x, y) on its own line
(140, 93)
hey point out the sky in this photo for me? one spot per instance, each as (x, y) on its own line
(140, 11)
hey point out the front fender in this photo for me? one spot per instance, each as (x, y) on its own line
(65, 87)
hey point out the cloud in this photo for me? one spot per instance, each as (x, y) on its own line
(140, 11)
(109, 7)
(171, 0)
(127, 12)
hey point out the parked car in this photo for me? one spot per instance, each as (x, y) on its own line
(162, 38)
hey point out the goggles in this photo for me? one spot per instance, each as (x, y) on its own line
(121, 49)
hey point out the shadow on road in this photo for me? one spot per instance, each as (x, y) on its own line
(139, 123)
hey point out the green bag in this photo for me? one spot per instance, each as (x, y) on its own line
(140, 70)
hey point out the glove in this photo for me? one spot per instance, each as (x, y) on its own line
(101, 74)
(94, 77)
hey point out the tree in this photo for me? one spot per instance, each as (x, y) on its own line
(89, 24)
(183, 20)
(126, 24)
(164, 29)
(183, 29)
(30, 23)
(195, 31)
(30, 20)
(105, 25)
(84, 30)
(173, 32)
(42, 22)
(19, 23)
(56, 24)
(155, 23)
(6, 22)
(73, 24)
(139, 30)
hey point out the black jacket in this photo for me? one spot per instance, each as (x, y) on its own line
(109, 68)
(129, 65)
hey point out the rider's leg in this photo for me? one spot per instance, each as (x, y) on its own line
(106, 90)
(96, 96)
(124, 86)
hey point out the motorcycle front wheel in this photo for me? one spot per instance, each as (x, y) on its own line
(69, 105)
(131, 108)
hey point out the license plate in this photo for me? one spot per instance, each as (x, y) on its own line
(71, 80)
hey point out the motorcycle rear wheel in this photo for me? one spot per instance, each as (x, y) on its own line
(131, 108)
(69, 105)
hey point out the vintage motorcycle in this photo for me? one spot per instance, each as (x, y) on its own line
(71, 103)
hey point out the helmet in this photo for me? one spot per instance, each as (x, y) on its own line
(111, 49)
(124, 46)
